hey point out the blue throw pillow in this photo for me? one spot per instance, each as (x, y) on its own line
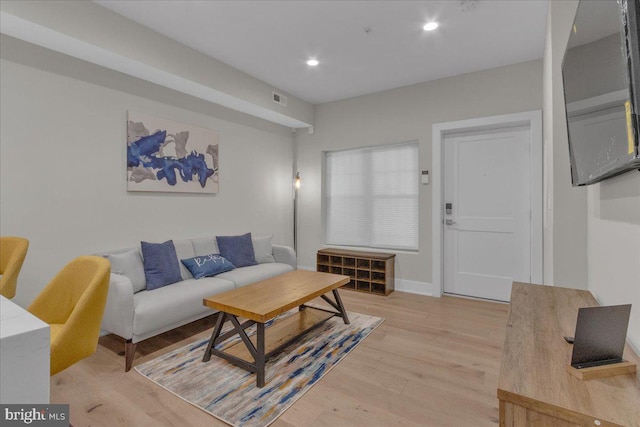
(237, 249)
(161, 265)
(207, 265)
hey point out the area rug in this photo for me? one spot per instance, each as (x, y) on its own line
(230, 394)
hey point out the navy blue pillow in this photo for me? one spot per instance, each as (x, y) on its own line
(161, 265)
(237, 249)
(207, 265)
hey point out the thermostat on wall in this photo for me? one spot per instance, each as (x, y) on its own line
(425, 177)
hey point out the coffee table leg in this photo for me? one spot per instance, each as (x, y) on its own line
(214, 335)
(260, 359)
(336, 295)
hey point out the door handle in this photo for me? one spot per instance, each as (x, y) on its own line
(449, 222)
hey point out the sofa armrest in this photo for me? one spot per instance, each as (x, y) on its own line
(285, 255)
(118, 312)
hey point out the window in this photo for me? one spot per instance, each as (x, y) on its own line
(371, 197)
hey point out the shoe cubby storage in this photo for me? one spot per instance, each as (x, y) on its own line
(370, 272)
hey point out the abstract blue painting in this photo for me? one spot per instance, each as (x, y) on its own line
(163, 155)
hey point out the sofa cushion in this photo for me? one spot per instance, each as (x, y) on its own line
(161, 265)
(129, 264)
(255, 273)
(237, 249)
(184, 250)
(262, 248)
(172, 304)
(205, 245)
(207, 265)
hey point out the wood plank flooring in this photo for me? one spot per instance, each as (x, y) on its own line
(433, 362)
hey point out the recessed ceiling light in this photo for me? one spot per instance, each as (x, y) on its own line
(312, 62)
(430, 26)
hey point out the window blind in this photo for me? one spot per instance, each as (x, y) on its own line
(371, 197)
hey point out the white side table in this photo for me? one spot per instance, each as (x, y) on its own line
(24, 356)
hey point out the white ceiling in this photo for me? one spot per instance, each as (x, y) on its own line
(271, 40)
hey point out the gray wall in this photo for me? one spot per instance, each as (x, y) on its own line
(63, 170)
(609, 218)
(399, 115)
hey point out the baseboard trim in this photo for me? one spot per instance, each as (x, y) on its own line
(414, 287)
(401, 285)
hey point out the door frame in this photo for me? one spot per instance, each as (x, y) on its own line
(532, 119)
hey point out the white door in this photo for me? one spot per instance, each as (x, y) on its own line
(487, 197)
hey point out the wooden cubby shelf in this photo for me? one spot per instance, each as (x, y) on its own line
(370, 272)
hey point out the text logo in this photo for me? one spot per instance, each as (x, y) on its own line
(34, 415)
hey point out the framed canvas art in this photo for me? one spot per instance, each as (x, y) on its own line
(163, 155)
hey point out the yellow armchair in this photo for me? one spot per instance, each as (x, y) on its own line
(73, 304)
(13, 250)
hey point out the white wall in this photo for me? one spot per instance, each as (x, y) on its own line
(612, 209)
(400, 115)
(567, 232)
(63, 170)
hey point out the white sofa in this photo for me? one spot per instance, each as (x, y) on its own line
(135, 314)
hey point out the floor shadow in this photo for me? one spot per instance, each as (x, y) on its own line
(115, 343)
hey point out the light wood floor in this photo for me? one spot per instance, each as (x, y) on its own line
(433, 362)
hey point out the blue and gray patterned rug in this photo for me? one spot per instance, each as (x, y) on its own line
(230, 394)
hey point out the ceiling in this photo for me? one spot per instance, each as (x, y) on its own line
(363, 46)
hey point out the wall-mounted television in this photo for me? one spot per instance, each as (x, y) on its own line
(601, 75)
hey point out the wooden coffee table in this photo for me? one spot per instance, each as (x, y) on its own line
(261, 302)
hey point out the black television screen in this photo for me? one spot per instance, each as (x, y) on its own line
(601, 72)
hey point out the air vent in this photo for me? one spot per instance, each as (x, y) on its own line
(279, 99)
(467, 5)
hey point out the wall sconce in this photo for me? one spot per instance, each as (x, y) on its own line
(296, 186)
(297, 181)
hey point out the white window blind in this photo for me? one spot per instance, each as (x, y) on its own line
(371, 197)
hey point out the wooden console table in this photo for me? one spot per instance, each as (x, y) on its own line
(535, 388)
(369, 271)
